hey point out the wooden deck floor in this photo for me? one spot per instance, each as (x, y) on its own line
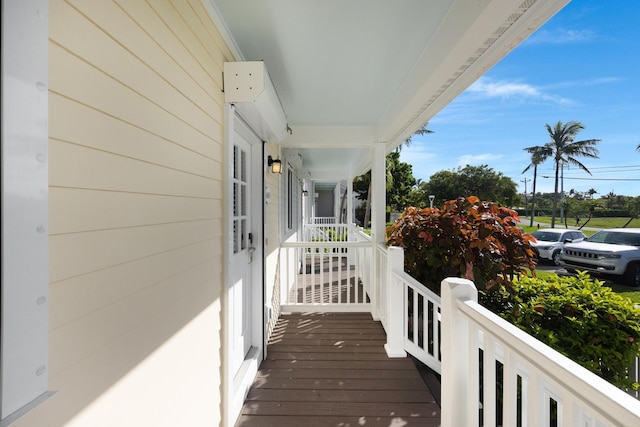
(331, 369)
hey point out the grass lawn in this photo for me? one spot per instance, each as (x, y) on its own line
(593, 223)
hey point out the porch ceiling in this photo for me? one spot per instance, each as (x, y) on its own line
(354, 73)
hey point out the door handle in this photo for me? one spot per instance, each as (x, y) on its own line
(251, 251)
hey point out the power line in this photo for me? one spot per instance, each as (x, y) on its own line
(626, 168)
(596, 179)
(614, 167)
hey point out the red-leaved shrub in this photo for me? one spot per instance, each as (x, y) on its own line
(480, 241)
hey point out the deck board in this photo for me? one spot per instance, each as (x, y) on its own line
(331, 369)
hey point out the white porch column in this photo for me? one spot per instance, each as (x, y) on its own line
(312, 203)
(336, 203)
(378, 206)
(459, 403)
(350, 201)
(379, 194)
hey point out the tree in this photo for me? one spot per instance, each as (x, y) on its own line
(400, 182)
(565, 150)
(407, 142)
(481, 181)
(362, 184)
(539, 154)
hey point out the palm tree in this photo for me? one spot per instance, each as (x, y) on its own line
(422, 131)
(565, 150)
(539, 154)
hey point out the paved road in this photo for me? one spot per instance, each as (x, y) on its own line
(552, 269)
(562, 272)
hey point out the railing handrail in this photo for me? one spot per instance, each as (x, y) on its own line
(582, 396)
(568, 374)
(319, 220)
(405, 277)
(419, 324)
(326, 244)
(364, 237)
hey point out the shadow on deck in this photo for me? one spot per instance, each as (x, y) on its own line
(330, 369)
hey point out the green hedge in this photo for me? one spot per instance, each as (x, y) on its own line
(577, 316)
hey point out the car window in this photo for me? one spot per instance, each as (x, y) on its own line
(546, 236)
(616, 238)
(634, 240)
(599, 237)
(630, 239)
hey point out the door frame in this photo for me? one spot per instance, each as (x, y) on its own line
(236, 384)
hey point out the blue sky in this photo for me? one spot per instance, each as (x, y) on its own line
(583, 65)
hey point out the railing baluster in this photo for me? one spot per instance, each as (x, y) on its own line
(328, 269)
(510, 391)
(554, 390)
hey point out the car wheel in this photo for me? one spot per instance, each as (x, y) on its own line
(632, 275)
(555, 258)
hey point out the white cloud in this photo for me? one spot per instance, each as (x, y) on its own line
(508, 89)
(561, 36)
(478, 159)
(503, 89)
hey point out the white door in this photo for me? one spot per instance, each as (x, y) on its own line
(240, 293)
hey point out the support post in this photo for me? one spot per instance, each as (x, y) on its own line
(460, 393)
(377, 198)
(396, 303)
(350, 201)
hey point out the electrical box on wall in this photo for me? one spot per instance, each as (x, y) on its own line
(247, 85)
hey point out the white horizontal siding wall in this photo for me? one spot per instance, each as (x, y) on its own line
(136, 214)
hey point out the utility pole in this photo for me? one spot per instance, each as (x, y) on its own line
(562, 192)
(526, 205)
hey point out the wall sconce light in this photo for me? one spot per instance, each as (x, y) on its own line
(305, 193)
(276, 165)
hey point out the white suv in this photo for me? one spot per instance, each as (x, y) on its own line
(549, 242)
(611, 252)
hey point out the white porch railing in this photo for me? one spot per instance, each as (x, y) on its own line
(496, 374)
(319, 220)
(419, 310)
(326, 233)
(634, 375)
(323, 276)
